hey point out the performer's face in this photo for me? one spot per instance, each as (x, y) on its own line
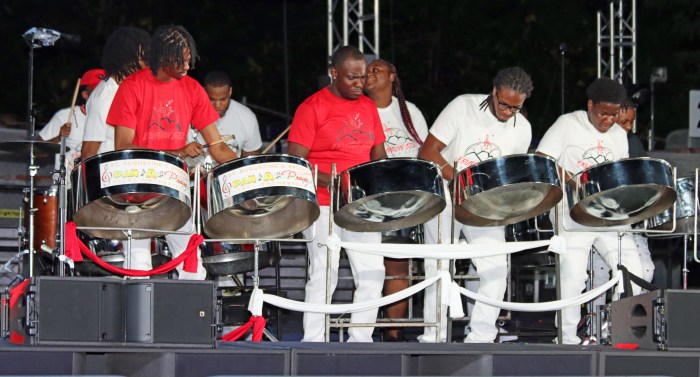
(349, 78)
(220, 97)
(506, 103)
(180, 71)
(379, 78)
(626, 118)
(603, 115)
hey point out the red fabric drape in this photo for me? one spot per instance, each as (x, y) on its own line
(74, 248)
(256, 322)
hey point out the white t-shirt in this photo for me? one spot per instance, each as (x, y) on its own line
(577, 145)
(238, 121)
(472, 135)
(74, 139)
(96, 128)
(400, 143)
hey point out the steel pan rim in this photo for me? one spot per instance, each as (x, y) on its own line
(385, 160)
(242, 161)
(512, 156)
(578, 202)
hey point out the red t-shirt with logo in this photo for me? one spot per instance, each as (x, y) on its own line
(336, 130)
(159, 112)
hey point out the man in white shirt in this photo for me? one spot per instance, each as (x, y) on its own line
(471, 129)
(237, 120)
(73, 132)
(580, 140)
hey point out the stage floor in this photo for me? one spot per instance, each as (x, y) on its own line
(348, 359)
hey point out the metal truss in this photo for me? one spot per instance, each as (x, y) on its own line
(617, 41)
(352, 22)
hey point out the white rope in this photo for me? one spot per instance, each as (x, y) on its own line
(258, 297)
(542, 306)
(445, 251)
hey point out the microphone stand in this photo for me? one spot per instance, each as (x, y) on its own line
(562, 51)
(32, 167)
(34, 41)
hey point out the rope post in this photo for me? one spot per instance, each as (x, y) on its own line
(329, 255)
(557, 257)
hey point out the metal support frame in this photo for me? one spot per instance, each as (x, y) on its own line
(352, 21)
(617, 41)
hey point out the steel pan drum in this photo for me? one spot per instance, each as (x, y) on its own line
(685, 215)
(112, 252)
(412, 235)
(621, 192)
(226, 259)
(260, 197)
(388, 194)
(507, 190)
(131, 189)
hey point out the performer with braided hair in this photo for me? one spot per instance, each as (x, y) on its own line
(154, 108)
(125, 52)
(473, 128)
(405, 129)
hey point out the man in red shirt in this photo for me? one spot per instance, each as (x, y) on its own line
(340, 125)
(154, 108)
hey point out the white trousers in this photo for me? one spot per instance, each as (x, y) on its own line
(492, 272)
(140, 256)
(574, 268)
(367, 272)
(601, 270)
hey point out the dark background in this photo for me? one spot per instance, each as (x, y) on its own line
(441, 48)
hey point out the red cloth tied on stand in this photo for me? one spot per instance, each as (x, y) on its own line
(189, 256)
(256, 322)
(15, 294)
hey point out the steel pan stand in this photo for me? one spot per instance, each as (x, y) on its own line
(62, 210)
(329, 253)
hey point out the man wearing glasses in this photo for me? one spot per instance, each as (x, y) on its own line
(474, 128)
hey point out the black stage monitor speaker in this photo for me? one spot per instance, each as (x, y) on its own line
(55, 310)
(658, 320)
(62, 311)
(171, 312)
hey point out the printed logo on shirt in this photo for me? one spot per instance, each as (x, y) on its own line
(481, 151)
(355, 135)
(164, 124)
(595, 156)
(398, 141)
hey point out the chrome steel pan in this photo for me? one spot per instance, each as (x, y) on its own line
(226, 259)
(685, 210)
(507, 190)
(260, 197)
(621, 192)
(131, 189)
(388, 194)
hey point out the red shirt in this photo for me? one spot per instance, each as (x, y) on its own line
(159, 112)
(336, 130)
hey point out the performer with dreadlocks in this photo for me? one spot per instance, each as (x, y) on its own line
(154, 108)
(473, 128)
(125, 52)
(404, 129)
(579, 140)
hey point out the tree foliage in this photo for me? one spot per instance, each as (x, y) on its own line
(441, 48)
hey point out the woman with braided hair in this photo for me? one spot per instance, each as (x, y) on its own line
(405, 129)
